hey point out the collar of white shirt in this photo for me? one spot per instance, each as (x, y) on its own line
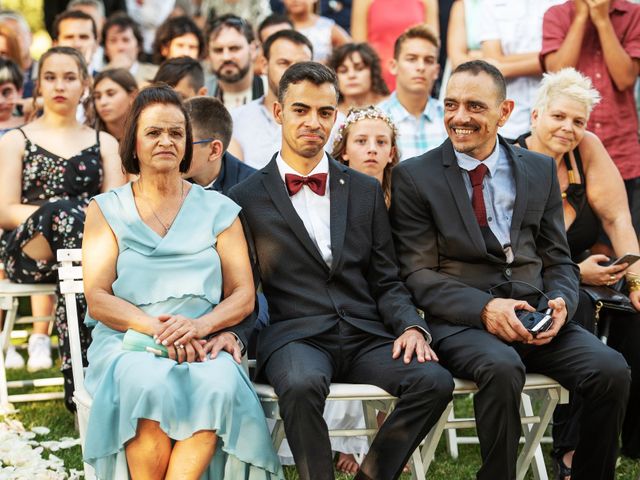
(469, 163)
(321, 167)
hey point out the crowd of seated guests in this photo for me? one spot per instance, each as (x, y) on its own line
(68, 111)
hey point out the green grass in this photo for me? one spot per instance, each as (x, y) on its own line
(53, 415)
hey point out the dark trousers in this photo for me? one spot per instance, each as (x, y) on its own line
(302, 371)
(624, 336)
(576, 359)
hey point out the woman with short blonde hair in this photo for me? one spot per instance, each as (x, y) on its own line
(594, 198)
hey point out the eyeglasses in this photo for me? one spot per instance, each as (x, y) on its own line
(205, 140)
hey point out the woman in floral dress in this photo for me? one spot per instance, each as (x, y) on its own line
(50, 169)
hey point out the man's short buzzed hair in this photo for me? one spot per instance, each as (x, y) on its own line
(313, 72)
(87, 3)
(475, 67)
(270, 21)
(419, 31)
(173, 70)
(72, 15)
(210, 118)
(292, 35)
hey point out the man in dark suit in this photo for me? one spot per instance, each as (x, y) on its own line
(479, 231)
(212, 167)
(338, 312)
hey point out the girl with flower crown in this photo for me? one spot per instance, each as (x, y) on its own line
(366, 142)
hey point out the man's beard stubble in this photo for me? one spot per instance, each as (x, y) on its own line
(233, 77)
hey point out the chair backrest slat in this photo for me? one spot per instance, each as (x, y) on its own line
(70, 255)
(69, 273)
(70, 286)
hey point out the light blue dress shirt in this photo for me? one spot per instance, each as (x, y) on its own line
(498, 190)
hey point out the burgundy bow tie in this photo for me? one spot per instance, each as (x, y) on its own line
(317, 183)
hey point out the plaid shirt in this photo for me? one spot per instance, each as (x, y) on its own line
(416, 135)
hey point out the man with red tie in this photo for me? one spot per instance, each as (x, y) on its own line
(479, 232)
(321, 242)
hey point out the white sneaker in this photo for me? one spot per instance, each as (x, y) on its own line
(13, 360)
(39, 352)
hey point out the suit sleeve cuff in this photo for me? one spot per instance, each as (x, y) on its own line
(240, 342)
(427, 335)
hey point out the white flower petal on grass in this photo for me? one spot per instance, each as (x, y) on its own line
(40, 430)
(21, 456)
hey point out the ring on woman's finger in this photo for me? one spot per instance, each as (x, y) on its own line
(612, 277)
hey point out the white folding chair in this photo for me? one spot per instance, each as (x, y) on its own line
(534, 425)
(10, 294)
(70, 286)
(373, 398)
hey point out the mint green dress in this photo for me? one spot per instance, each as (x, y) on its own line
(177, 273)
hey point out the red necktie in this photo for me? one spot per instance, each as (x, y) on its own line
(477, 199)
(317, 183)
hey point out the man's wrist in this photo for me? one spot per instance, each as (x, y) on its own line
(235, 337)
(601, 23)
(421, 331)
(483, 312)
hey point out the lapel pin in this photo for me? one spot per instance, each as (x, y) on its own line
(342, 181)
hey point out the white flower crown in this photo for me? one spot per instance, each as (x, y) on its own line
(366, 113)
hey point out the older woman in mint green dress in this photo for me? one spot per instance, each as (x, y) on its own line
(169, 259)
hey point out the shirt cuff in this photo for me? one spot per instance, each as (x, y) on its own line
(243, 350)
(427, 335)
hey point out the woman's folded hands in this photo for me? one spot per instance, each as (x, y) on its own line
(183, 337)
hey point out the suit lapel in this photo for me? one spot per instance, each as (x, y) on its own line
(339, 191)
(453, 175)
(278, 192)
(519, 207)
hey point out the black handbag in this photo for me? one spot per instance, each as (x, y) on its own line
(607, 298)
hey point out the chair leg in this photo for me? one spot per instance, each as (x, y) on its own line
(277, 435)
(9, 322)
(451, 436)
(533, 434)
(89, 472)
(538, 467)
(433, 437)
(10, 305)
(418, 471)
(370, 419)
(5, 406)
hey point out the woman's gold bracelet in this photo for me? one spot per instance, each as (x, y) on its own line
(633, 283)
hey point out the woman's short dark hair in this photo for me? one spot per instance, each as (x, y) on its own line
(174, 27)
(369, 57)
(152, 95)
(122, 22)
